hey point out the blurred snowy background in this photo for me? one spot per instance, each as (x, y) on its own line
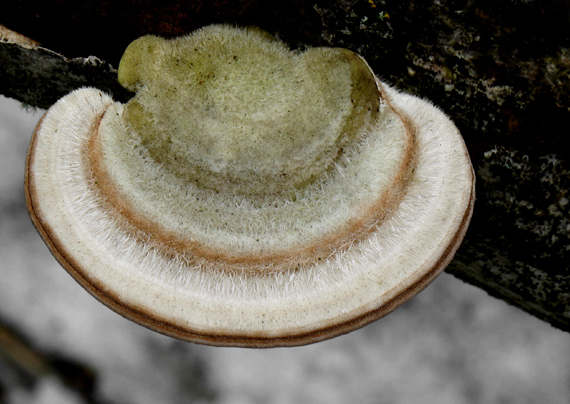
(58, 345)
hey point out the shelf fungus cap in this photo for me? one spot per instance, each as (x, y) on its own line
(249, 195)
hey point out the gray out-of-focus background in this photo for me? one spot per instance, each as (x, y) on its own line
(450, 344)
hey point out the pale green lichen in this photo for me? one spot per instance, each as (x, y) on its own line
(234, 108)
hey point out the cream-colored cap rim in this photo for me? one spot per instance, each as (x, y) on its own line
(334, 296)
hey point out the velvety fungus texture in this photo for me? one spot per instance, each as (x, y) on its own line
(249, 195)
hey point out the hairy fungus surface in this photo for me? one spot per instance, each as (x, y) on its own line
(249, 195)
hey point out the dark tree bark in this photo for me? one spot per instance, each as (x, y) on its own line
(500, 69)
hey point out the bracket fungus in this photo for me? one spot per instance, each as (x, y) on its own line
(249, 195)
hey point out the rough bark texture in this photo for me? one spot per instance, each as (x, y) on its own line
(500, 69)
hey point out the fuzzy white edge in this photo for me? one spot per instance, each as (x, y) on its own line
(367, 276)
